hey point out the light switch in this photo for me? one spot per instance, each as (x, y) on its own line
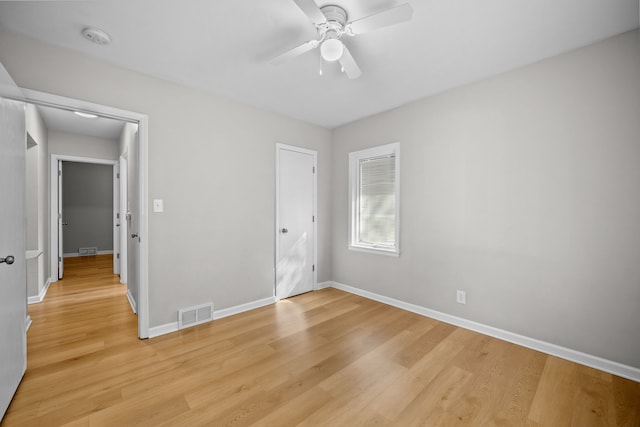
(158, 205)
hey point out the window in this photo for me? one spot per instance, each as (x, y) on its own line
(374, 184)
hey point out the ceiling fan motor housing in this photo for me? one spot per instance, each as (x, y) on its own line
(336, 20)
(335, 14)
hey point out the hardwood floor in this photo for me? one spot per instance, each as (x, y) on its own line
(322, 358)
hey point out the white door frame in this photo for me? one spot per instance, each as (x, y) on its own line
(56, 249)
(59, 236)
(116, 218)
(314, 154)
(71, 104)
(124, 177)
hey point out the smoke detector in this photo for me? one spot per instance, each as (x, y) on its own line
(96, 35)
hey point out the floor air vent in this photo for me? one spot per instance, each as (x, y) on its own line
(87, 251)
(195, 315)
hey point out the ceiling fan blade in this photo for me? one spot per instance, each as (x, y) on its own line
(349, 65)
(296, 51)
(392, 16)
(313, 12)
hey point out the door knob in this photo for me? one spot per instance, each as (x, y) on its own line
(134, 235)
(65, 223)
(284, 231)
(9, 259)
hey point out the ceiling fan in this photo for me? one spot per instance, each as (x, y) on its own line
(331, 23)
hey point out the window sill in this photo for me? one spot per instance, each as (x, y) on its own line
(377, 251)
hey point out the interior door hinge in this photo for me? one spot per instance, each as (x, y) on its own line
(118, 175)
(313, 268)
(118, 256)
(59, 173)
(59, 259)
(314, 169)
(313, 218)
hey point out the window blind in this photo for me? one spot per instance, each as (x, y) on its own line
(377, 201)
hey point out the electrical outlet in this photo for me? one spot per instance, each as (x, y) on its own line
(461, 297)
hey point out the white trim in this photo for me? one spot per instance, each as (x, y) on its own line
(77, 159)
(386, 150)
(27, 323)
(65, 103)
(116, 213)
(73, 104)
(314, 155)
(56, 231)
(33, 253)
(53, 230)
(36, 299)
(167, 328)
(323, 285)
(226, 312)
(132, 302)
(596, 362)
(143, 197)
(376, 251)
(76, 254)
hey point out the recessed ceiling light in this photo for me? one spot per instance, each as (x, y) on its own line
(96, 35)
(85, 115)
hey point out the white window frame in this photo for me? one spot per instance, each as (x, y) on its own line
(354, 185)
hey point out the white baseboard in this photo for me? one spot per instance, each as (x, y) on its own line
(76, 254)
(323, 285)
(167, 328)
(596, 362)
(132, 302)
(225, 312)
(217, 314)
(27, 323)
(43, 292)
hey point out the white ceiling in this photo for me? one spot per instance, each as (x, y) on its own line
(66, 121)
(224, 46)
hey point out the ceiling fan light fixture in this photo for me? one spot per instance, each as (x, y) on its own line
(331, 50)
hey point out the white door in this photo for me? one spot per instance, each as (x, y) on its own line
(116, 218)
(123, 230)
(61, 224)
(295, 220)
(133, 221)
(13, 279)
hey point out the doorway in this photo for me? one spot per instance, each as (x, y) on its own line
(82, 206)
(296, 224)
(140, 208)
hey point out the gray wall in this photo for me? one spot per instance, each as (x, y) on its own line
(87, 206)
(37, 201)
(212, 160)
(31, 199)
(524, 191)
(83, 146)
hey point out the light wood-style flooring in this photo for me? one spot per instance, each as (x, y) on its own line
(325, 358)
